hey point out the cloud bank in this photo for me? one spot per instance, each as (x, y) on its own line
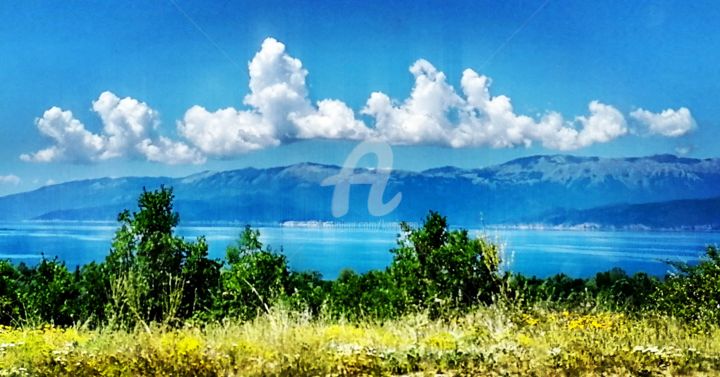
(278, 110)
(128, 131)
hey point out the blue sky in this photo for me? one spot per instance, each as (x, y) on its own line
(168, 67)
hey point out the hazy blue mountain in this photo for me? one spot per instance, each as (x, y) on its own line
(511, 192)
(691, 214)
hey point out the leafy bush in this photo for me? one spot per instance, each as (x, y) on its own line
(614, 289)
(436, 267)
(610, 290)
(255, 278)
(308, 291)
(201, 279)
(9, 300)
(156, 275)
(93, 287)
(371, 295)
(48, 293)
(693, 294)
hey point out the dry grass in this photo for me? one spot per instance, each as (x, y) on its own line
(488, 341)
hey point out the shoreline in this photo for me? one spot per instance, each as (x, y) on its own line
(395, 225)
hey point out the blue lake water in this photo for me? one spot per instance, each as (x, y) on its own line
(329, 250)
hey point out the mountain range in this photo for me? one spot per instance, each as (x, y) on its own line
(661, 191)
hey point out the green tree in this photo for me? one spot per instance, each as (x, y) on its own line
(441, 268)
(345, 295)
(49, 293)
(255, 277)
(561, 288)
(693, 293)
(616, 290)
(156, 275)
(201, 279)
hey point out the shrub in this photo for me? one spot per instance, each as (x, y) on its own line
(201, 279)
(308, 291)
(93, 285)
(437, 267)
(156, 275)
(255, 278)
(614, 289)
(611, 290)
(9, 300)
(48, 293)
(693, 294)
(372, 295)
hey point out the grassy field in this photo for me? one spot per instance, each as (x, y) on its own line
(487, 341)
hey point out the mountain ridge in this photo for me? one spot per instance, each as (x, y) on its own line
(682, 214)
(519, 189)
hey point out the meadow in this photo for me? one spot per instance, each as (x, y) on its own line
(486, 341)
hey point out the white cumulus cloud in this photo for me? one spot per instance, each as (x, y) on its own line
(226, 132)
(331, 120)
(72, 142)
(129, 130)
(435, 114)
(420, 119)
(605, 123)
(279, 111)
(669, 122)
(127, 122)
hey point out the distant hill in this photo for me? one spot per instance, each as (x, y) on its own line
(556, 188)
(694, 214)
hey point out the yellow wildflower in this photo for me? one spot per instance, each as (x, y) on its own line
(524, 340)
(576, 324)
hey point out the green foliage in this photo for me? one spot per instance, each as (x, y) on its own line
(563, 288)
(436, 267)
(616, 290)
(49, 293)
(201, 279)
(156, 275)
(612, 290)
(345, 294)
(308, 291)
(9, 290)
(371, 295)
(255, 278)
(93, 287)
(693, 294)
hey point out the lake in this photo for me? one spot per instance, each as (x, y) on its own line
(329, 250)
